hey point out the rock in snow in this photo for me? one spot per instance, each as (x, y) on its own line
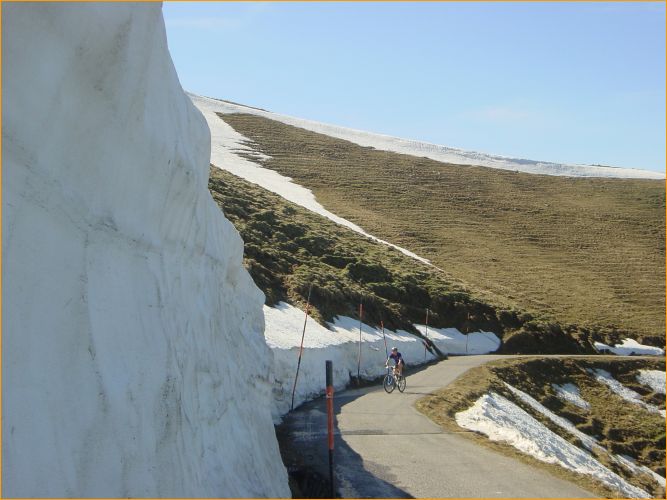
(134, 362)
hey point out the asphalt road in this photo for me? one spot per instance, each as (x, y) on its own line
(386, 448)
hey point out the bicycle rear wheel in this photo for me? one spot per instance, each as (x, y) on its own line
(389, 383)
(401, 383)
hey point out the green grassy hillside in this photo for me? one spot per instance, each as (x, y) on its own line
(621, 427)
(288, 248)
(572, 250)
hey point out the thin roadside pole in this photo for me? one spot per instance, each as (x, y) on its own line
(386, 352)
(303, 334)
(425, 342)
(361, 314)
(330, 426)
(467, 334)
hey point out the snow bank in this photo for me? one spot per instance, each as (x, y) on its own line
(655, 379)
(630, 347)
(571, 394)
(606, 378)
(134, 363)
(502, 420)
(459, 343)
(226, 147)
(340, 343)
(439, 153)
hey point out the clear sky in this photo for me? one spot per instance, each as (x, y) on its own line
(564, 82)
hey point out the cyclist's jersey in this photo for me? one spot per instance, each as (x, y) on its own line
(397, 358)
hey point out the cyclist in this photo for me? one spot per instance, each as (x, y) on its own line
(398, 359)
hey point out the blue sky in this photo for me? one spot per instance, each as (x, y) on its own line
(565, 82)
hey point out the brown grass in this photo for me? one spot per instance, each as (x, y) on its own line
(580, 251)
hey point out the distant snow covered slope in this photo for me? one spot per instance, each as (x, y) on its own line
(433, 151)
(133, 361)
(226, 146)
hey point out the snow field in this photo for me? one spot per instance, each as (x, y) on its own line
(340, 343)
(606, 378)
(501, 420)
(439, 153)
(630, 347)
(226, 143)
(134, 362)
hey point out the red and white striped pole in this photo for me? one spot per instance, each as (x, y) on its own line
(386, 351)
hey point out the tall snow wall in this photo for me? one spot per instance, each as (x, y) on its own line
(134, 362)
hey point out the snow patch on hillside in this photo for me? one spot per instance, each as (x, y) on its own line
(340, 343)
(655, 379)
(571, 394)
(226, 147)
(501, 420)
(134, 362)
(607, 379)
(589, 442)
(435, 152)
(630, 347)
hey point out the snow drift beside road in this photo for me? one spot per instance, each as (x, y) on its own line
(134, 363)
(433, 151)
(284, 327)
(630, 347)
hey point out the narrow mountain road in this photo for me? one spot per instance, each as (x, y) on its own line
(386, 448)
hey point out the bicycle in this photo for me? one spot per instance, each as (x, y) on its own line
(393, 380)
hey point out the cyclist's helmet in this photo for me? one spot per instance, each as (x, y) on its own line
(394, 349)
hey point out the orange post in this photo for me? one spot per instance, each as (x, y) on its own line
(330, 424)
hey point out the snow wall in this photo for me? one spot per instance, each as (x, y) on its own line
(134, 362)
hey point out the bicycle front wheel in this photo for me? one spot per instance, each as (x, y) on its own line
(389, 383)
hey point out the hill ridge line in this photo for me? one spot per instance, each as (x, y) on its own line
(437, 152)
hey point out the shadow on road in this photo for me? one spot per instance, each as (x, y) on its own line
(302, 437)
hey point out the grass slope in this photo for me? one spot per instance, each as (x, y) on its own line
(623, 428)
(288, 248)
(574, 250)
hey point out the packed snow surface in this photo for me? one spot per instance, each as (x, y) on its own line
(501, 420)
(630, 347)
(655, 379)
(439, 153)
(227, 145)
(570, 393)
(607, 379)
(340, 343)
(134, 362)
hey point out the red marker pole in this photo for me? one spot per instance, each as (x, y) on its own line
(386, 352)
(330, 425)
